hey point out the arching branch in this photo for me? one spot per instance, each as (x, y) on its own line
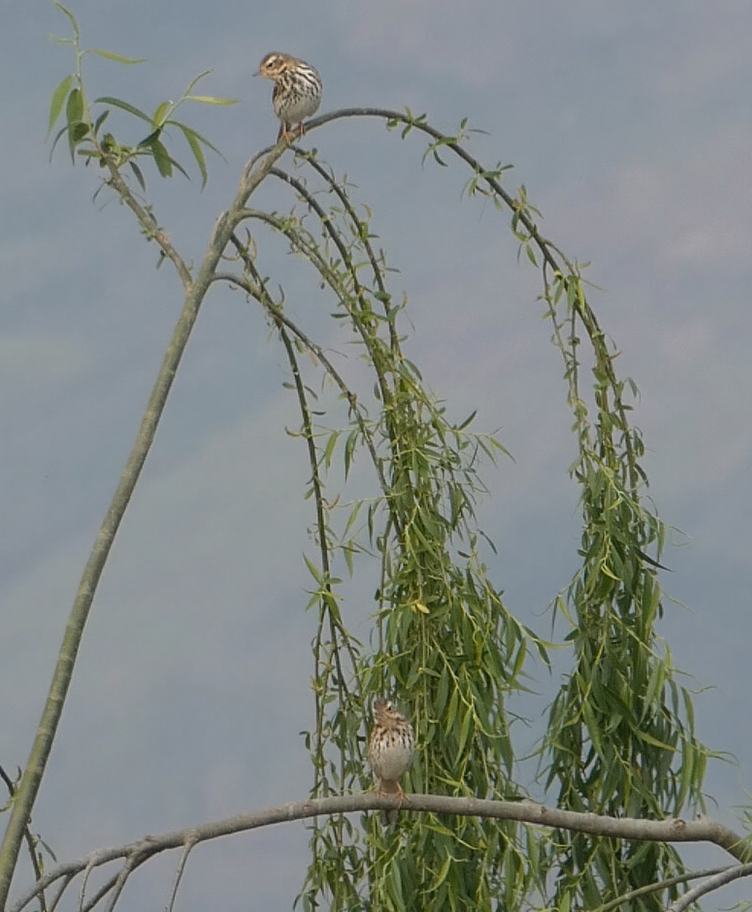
(134, 854)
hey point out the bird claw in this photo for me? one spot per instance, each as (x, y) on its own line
(290, 135)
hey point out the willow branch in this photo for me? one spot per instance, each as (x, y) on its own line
(148, 224)
(552, 256)
(260, 293)
(674, 830)
(361, 231)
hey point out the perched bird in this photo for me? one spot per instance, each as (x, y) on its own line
(297, 90)
(390, 751)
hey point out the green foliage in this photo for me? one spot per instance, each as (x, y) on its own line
(446, 644)
(83, 129)
(621, 736)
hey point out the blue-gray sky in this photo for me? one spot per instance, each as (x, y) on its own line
(629, 123)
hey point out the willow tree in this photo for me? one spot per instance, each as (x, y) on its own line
(618, 758)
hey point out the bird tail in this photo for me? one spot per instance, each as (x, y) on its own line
(389, 819)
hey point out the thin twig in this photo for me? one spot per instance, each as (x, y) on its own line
(131, 863)
(658, 887)
(710, 885)
(65, 881)
(94, 899)
(187, 848)
(147, 222)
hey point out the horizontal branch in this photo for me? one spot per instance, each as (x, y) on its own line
(703, 829)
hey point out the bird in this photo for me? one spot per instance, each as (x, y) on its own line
(390, 751)
(297, 90)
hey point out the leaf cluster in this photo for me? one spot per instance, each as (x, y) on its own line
(84, 122)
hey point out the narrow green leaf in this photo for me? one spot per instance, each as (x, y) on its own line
(78, 131)
(329, 448)
(61, 132)
(179, 168)
(649, 739)
(58, 100)
(148, 141)
(211, 99)
(347, 550)
(139, 175)
(454, 702)
(313, 570)
(688, 709)
(465, 730)
(687, 769)
(159, 118)
(655, 687)
(118, 58)
(74, 109)
(194, 133)
(71, 19)
(350, 444)
(441, 876)
(195, 81)
(161, 158)
(123, 105)
(198, 153)
(468, 421)
(99, 121)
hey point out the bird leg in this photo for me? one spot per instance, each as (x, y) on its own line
(290, 135)
(390, 787)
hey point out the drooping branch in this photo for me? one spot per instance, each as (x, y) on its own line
(554, 260)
